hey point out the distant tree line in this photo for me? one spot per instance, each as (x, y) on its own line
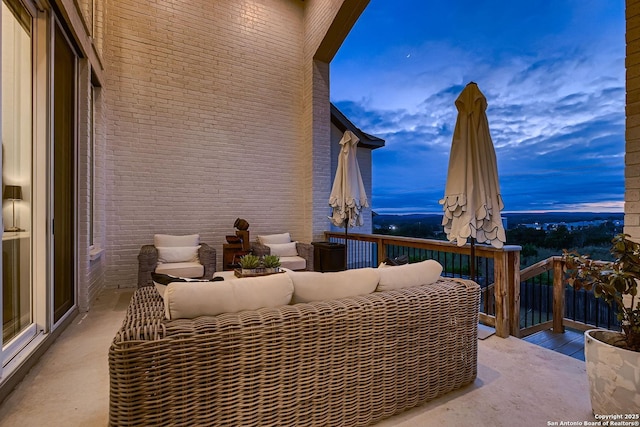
(537, 244)
(563, 238)
(420, 229)
(558, 238)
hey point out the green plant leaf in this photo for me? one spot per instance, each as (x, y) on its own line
(611, 281)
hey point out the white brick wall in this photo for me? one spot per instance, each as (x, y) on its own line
(90, 272)
(210, 111)
(320, 158)
(97, 266)
(205, 106)
(84, 85)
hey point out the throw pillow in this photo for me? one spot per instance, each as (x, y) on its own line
(404, 276)
(315, 286)
(283, 249)
(274, 238)
(187, 301)
(178, 253)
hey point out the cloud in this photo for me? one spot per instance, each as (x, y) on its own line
(555, 104)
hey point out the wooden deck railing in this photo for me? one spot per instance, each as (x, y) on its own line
(500, 273)
(509, 295)
(553, 264)
(594, 312)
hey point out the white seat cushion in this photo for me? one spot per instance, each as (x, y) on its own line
(407, 275)
(293, 262)
(315, 286)
(181, 269)
(186, 300)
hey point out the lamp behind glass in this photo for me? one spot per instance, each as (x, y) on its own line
(13, 193)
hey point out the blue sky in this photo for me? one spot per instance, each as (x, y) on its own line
(553, 75)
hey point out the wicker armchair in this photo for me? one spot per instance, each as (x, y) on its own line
(305, 251)
(148, 261)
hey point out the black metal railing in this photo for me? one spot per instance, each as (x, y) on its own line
(583, 307)
(536, 300)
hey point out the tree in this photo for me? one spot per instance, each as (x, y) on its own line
(560, 238)
(522, 235)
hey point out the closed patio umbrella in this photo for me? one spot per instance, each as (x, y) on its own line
(348, 195)
(472, 200)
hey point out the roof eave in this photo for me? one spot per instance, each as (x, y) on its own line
(341, 121)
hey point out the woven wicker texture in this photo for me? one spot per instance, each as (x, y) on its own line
(148, 261)
(348, 362)
(305, 250)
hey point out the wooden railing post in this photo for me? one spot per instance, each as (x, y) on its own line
(500, 290)
(514, 292)
(558, 295)
(382, 251)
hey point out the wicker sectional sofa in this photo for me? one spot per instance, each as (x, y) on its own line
(345, 362)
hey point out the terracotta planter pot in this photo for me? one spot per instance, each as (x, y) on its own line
(241, 224)
(613, 374)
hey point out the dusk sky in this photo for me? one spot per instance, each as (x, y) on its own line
(553, 75)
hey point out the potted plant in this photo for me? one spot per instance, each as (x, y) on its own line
(612, 358)
(271, 263)
(249, 265)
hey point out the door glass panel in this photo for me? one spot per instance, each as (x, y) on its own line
(16, 169)
(64, 235)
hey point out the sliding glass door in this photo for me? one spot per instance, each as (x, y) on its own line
(17, 142)
(38, 121)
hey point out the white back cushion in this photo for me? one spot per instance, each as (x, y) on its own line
(186, 300)
(315, 286)
(283, 249)
(404, 276)
(167, 240)
(274, 238)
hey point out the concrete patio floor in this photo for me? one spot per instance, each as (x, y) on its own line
(518, 384)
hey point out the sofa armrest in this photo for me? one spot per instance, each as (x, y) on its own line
(305, 250)
(207, 256)
(147, 263)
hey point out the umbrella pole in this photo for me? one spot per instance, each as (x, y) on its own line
(346, 225)
(472, 260)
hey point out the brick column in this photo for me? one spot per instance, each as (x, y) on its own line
(632, 134)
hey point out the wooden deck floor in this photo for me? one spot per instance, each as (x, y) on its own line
(571, 342)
